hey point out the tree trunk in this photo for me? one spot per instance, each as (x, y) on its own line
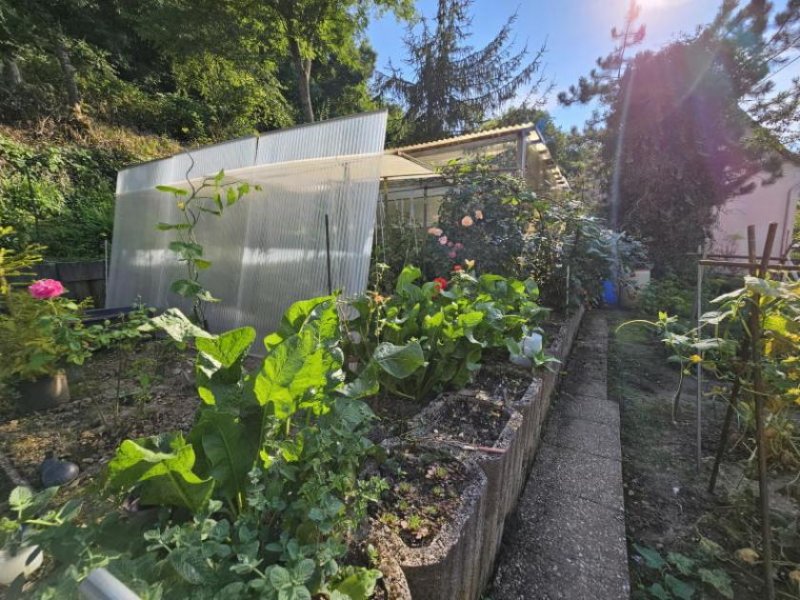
(70, 83)
(303, 66)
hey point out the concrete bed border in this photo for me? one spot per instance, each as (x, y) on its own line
(459, 563)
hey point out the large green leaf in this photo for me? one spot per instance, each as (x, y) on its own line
(679, 588)
(185, 287)
(399, 361)
(359, 585)
(186, 250)
(228, 449)
(318, 312)
(652, 558)
(219, 365)
(177, 326)
(718, 579)
(227, 349)
(295, 369)
(160, 468)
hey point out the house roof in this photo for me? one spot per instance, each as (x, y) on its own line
(443, 149)
(488, 134)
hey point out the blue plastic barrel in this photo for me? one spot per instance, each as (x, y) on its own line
(610, 296)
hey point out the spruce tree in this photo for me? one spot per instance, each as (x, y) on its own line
(451, 87)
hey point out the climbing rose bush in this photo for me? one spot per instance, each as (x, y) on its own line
(44, 289)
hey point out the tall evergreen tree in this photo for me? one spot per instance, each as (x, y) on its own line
(452, 87)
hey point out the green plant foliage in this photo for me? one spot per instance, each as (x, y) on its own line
(38, 337)
(716, 345)
(680, 577)
(162, 469)
(445, 327)
(280, 448)
(491, 222)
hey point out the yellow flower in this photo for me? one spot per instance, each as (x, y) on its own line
(747, 555)
(695, 358)
(470, 264)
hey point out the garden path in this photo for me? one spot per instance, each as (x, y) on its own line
(566, 540)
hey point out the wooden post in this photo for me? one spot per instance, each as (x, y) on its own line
(522, 153)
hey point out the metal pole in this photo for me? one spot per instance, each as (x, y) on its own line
(102, 585)
(105, 271)
(328, 252)
(699, 399)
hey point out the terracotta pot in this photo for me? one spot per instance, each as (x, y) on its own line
(44, 393)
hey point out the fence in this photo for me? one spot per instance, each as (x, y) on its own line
(82, 279)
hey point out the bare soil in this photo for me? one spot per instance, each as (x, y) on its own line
(424, 492)
(668, 507)
(471, 421)
(155, 394)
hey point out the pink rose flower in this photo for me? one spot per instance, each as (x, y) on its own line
(443, 240)
(467, 221)
(479, 214)
(45, 289)
(450, 244)
(451, 254)
(459, 246)
(434, 231)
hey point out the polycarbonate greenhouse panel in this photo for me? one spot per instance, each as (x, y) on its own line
(196, 163)
(269, 250)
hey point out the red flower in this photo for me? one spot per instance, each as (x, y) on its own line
(45, 289)
(441, 283)
(457, 268)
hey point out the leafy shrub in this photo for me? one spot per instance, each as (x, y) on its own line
(492, 222)
(483, 218)
(676, 296)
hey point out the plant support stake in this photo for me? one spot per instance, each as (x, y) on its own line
(758, 400)
(328, 252)
(699, 400)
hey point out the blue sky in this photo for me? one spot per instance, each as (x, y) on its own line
(576, 33)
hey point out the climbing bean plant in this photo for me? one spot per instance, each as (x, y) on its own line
(212, 197)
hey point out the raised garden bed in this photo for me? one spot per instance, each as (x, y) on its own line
(437, 565)
(489, 434)
(500, 422)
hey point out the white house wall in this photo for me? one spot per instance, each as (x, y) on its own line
(765, 204)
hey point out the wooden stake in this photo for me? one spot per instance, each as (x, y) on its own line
(723, 437)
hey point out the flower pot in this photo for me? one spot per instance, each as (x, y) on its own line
(24, 562)
(44, 393)
(633, 286)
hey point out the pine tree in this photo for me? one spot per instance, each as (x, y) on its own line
(603, 81)
(454, 87)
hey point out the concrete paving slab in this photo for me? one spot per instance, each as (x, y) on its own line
(592, 437)
(591, 408)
